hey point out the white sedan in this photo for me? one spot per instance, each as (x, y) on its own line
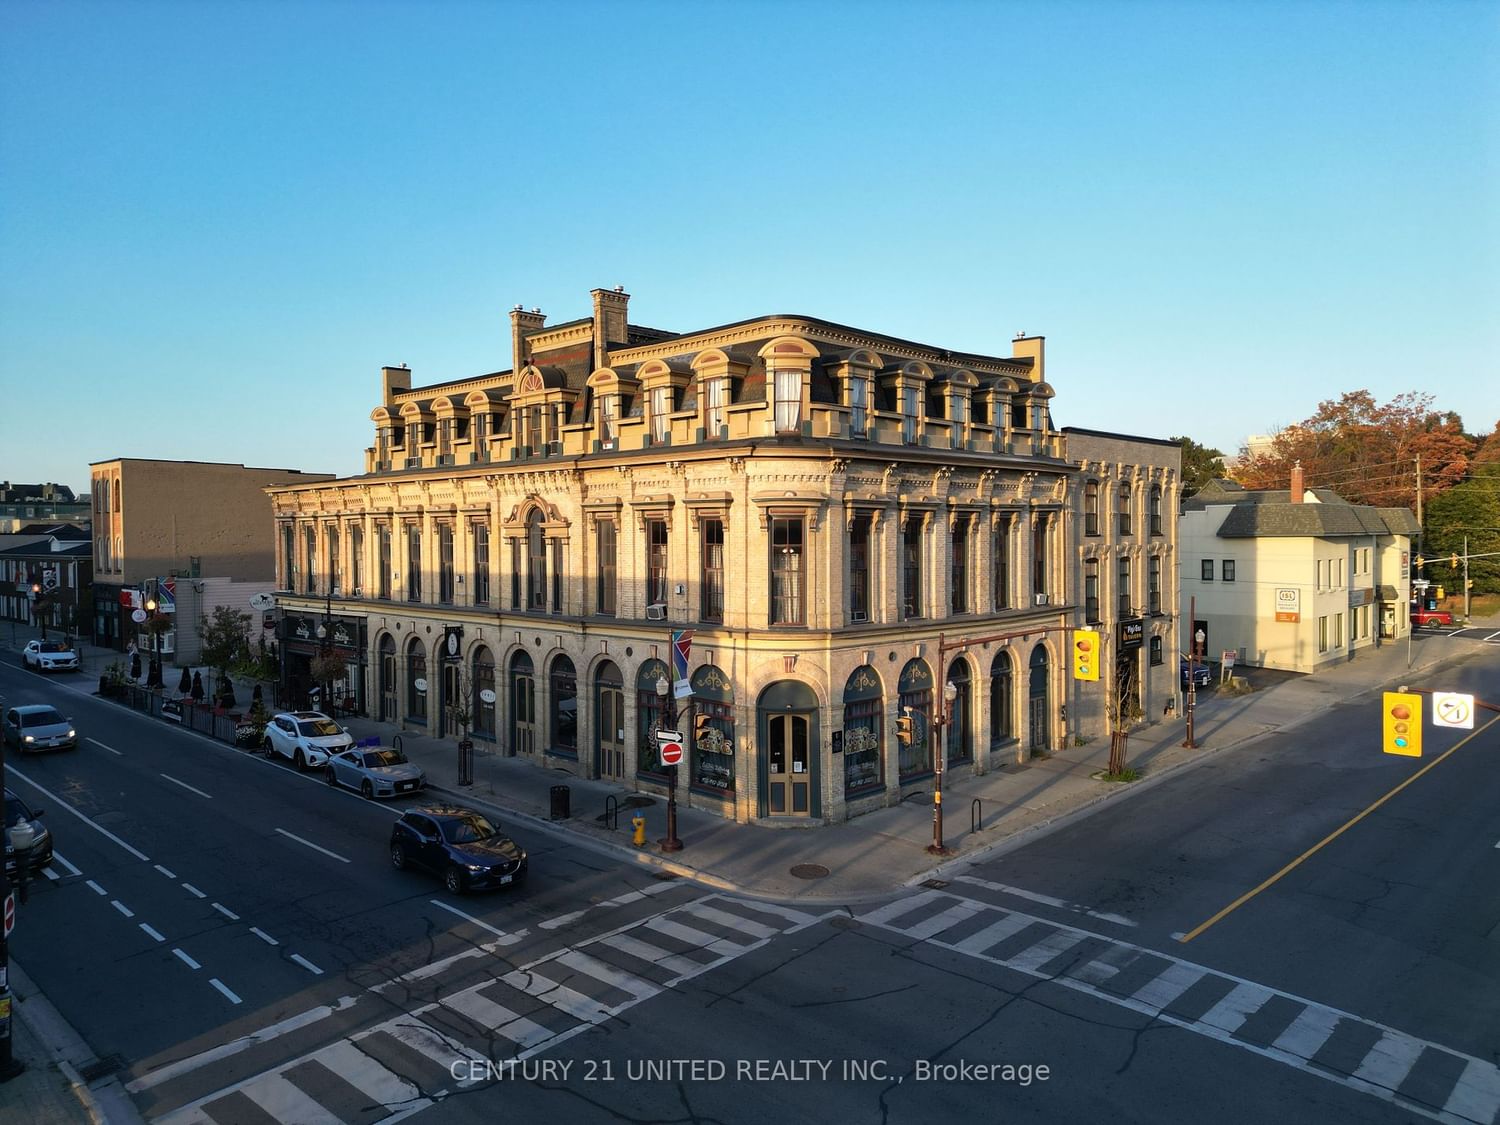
(376, 771)
(308, 738)
(49, 656)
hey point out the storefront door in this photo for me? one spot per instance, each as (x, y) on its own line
(611, 725)
(788, 778)
(452, 700)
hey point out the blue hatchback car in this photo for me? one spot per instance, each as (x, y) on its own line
(1203, 675)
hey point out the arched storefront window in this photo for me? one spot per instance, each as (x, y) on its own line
(915, 703)
(609, 720)
(483, 707)
(522, 704)
(864, 764)
(960, 713)
(416, 681)
(388, 680)
(1039, 722)
(650, 716)
(1002, 700)
(713, 753)
(564, 700)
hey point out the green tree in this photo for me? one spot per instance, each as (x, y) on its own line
(1470, 509)
(1200, 465)
(225, 638)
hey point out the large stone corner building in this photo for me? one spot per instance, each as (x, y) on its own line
(846, 521)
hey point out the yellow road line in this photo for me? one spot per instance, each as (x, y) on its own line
(1330, 838)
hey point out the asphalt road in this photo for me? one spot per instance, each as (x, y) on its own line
(1357, 987)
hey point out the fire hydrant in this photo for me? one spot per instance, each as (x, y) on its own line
(638, 825)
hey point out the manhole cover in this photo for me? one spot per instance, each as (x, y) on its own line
(935, 884)
(663, 876)
(810, 871)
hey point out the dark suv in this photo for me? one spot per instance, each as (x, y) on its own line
(40, 856)
(459, 844)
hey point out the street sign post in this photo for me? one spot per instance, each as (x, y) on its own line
(669, 743)
(1452, 709)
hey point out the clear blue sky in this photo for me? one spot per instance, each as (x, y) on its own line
(218, 220)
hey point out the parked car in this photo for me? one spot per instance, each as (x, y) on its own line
(1203, 675)
(376, 771)
(461, 845)
(49, 656)
(16, 810)
(38, 726)
(308, 738)
(1420, 616)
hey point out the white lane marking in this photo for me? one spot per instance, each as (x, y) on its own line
(62, 860)
(95, 887)
(734, 922)
(1035, 956)
(226, 1050)
(152, 931)
(282, 1101)
(111, 749)
(1390, 1060)
(122, 908)
(993, 934)
(164, 871)
(312, 845)
(265, 937)
(469, 918)
(942, 920)
(186, 960)
(366, 1075)
(189, 788)
(58, 801)
(1493, 635)
(233, 999)
(224, 910)
(560, 920)
(306, 964)
(1061, 904)
(50, 874)
(497, 1017)
(1476, 1095)
(1239, 1004)
(194, 891)
(1306, 1034)
(603, 971)
(1168, 985)
(649, 953)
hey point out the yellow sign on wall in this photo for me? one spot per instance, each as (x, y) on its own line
(1402, 720)
(1086, 654)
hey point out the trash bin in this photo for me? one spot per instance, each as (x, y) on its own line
(562, 799)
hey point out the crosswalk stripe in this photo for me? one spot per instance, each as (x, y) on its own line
(366, 1075)
(673, 962)
(1236, 1007)
(732, 921)
(893, 910)
(615, 978)
(284, 1101)
(1306, 1034)
(1390, 1060)
(497, 1017)
(1160, 991)
(426, 1040)
(1104, 967)
(1476, 1095)
(797, 917)
(696, 938)
(937, 923)
(1035, 956)
(993, 934)
(560, 996)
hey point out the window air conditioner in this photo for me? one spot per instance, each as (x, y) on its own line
(554, 448)
(607, 445)
(1041, 599)
(656, 611)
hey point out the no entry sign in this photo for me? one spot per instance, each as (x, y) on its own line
(670, 744)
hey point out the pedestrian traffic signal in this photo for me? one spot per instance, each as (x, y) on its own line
(1085, 654)
(701, 726)
(904, 733)
(1403, 724)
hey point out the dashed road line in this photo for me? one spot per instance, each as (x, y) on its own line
(217, 983)
(95, 887)
(189, 788)
(111, 749)
(505, 938)
(313, 846)
(63, 860)
(58, 802)
(122, 908)
(265, 937)
(185, 959)
(194, 891)
(164, 871)
(152, 932)
(224, 910)
(306, 964)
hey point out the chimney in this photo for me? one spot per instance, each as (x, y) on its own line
(1033, 348)
(393, 380)
(1296, 496)
(609, 321)
(521, 323)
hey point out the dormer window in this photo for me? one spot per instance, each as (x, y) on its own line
(608, 418)
(1018, 413)
(788, 401)
(661, 409)
(910, 405)
(444, 436)
(715, 405)
(859, 405)
(398, 437)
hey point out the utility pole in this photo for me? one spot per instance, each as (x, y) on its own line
(1466, 576)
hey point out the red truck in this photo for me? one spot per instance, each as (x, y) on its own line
(1420, 616)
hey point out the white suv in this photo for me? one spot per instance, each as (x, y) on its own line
(308, 738)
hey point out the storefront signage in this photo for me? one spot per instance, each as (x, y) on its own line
(1289, 604)
(486, 696)
(1132, 634)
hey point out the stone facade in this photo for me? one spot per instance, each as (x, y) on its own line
(844, 520)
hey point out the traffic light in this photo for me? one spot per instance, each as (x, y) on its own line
(701, 726)
(1403, 724)
(1453, 561)
(1085, 654)
(1421, 562)
(904, 733)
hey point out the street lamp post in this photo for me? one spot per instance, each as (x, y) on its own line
(325, 649)
(153, 678)
(1192, 699)
(669, 718)
(940, 753)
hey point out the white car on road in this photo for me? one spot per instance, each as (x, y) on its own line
(308, 738)
(49, 656)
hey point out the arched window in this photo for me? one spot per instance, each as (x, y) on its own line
(564, 699)
(713, 752)
(915, 702)
(960, 713)
(1002, 700)
(416, 680)
(522, 704)
(1091, 508)
(388, 689)
(649, 708)
(864, 764)
(1038, 704)
(536, 557)
(483, 679)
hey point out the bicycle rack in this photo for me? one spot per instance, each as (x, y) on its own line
(396, 742)
(976, 815)
(611, 812)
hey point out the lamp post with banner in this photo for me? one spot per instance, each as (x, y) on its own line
(671, 756)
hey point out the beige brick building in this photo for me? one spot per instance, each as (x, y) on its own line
(156, 518)
(845, 520)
